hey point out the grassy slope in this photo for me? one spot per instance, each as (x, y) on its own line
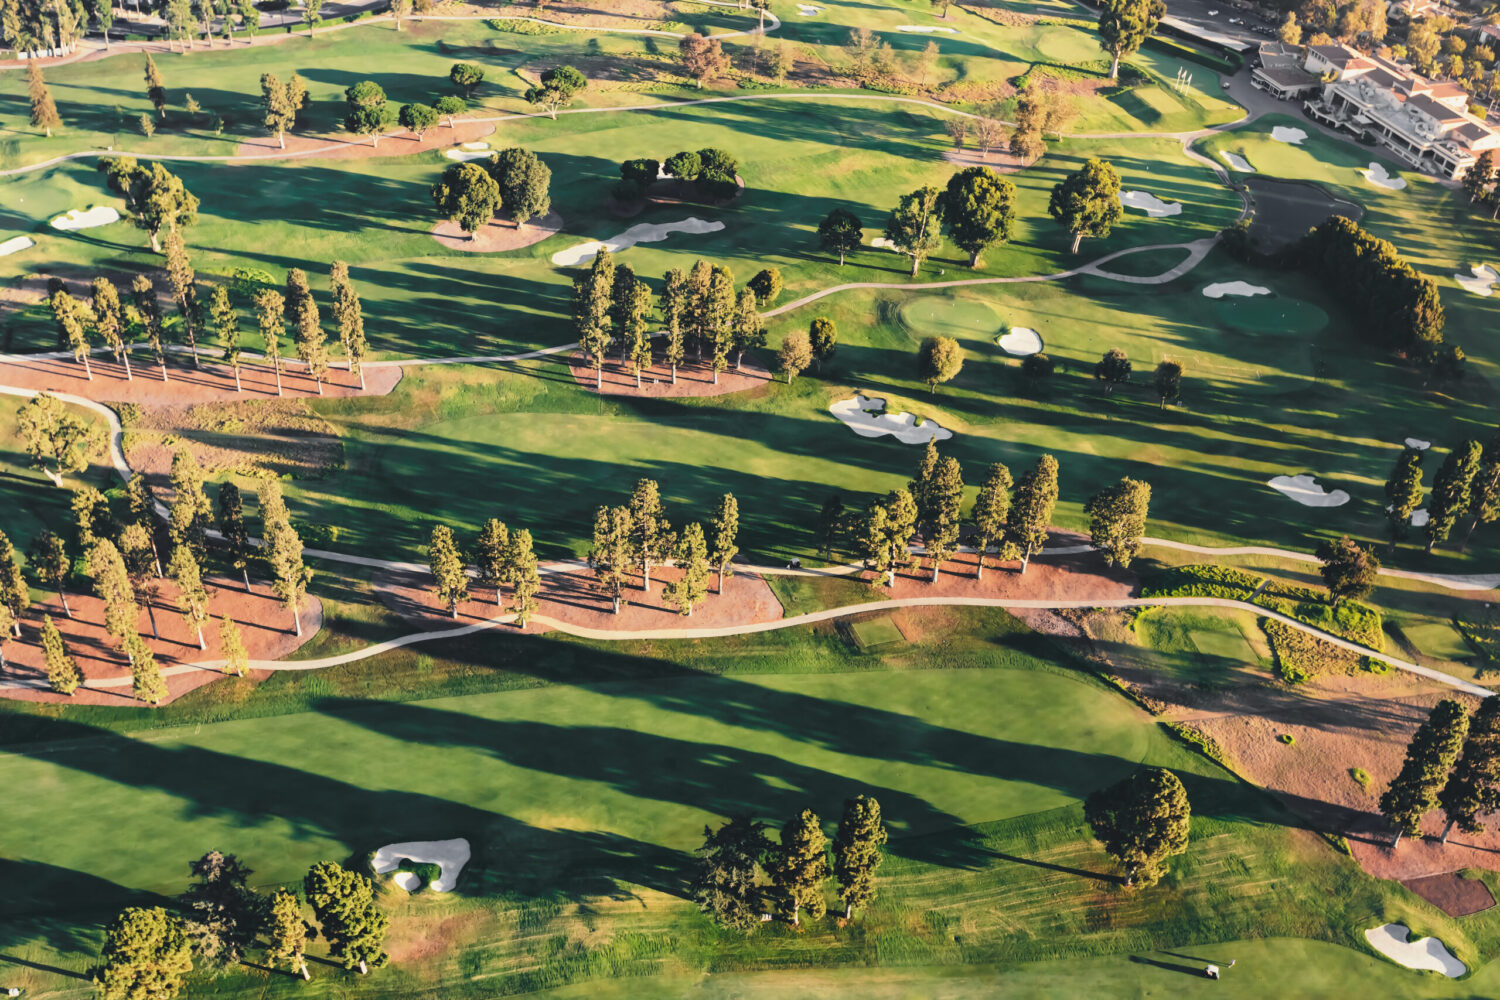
(566, 789)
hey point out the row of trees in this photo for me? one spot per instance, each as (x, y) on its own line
(741, 873)
(639, 535)
(1466, 485)
(978, 211)
(1452, 763)
(116, 325)
(612, 306)
(1397, 304)
(501, 558)
(514, 181)
(710, 174)
(149, 951)
(1011, 517)
(122, 557)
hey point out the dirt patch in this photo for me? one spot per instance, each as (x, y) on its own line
(209, 382)
(265, 626)
(573, 596)
(31, 290)
(1051, 578)
(693, 379)
(497, 236)
(1452, 893)
(277, 436)
(348, 147)
(999, 161)
(1338, 725)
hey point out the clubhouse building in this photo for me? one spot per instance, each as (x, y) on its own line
(1424, 123)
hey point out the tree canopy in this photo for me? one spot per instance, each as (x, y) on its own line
(1141, 821)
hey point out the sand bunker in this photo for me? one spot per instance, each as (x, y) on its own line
(1282, 133)
(449, 855)
(15, 245)
(1150, 204)
(808, 10)
(1237, 162)
(1307, 491)
(1419, 517)
(1483, 276)
(1428, 954)
(89, 218)
(881, 243)
(469, 151)
(1377, 175)
(867, 418)
(1418, 444)
(1219, 289)
(926, 30)
(1021, 341)
(407, 880)
(646, 232)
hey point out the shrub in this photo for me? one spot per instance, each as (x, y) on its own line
(1200, 580)
(1361, 776)
(1198, 740)
(1299, 657)
(426, 871)
(1287, 738)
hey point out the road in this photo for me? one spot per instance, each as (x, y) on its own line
(1196, 12)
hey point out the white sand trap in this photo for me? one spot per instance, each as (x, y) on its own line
(808, 10)
(927, 29)
(1150, 204)
(902, 426)
(449, 855)
(1237, 162)
(1428, 954)
(1282, 133)
(881, 243)
(407, 880)
(646, 232)
(16, 244)
(1021, 341)
(1483, 276)
(1419, 517)
(89, 218)
(1418, 444)
(472, 146)
(1307, 491)
(465, 155)
(1219, 289)
(1378, 176)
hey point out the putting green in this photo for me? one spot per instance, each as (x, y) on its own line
(960, 318)
(1271, 314)
(1440, 641)
(1070, 47)
(1225, 644)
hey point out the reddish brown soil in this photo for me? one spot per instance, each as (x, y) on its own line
(185, 384)
(1337, 723)
(347, 147)
(998, 160)
(264, 624)
(1452, 893)
(574, 597)
(499, 236)
(693, 378)
(1061, 578)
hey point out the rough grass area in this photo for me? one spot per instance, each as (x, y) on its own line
(1299, 657)
(1439, 640)
(282, 437)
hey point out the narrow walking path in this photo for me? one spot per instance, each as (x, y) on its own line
(812, 618)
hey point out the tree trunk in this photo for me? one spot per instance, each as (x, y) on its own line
(1114, 67)
(155, 243)
(674, 374)
(935, 565)
(617, 603)
(599, 377)
(1447, 830)
(278, 378)
(88, 369)
(974, 259)
(841, 258)
(453, 609)
(721, 581)
(245, 572)
(64, 598)
(151, 613)
(237, 386)
(716, 376)
(128, 376)
(361, 379)
(1397, 839)
(364, 970)
(281, 138)
(164, 368)
(297, 621)
(848, 910)
(201, 644)
(916, 262)
(1077, 239)
(637, 379)
(1025, 558)
(796, 914)
(646, 574)
(739, 361)
(320, 385)
(303, 966)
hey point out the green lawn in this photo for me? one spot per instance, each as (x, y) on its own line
(583, 798)
(1439, 640)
